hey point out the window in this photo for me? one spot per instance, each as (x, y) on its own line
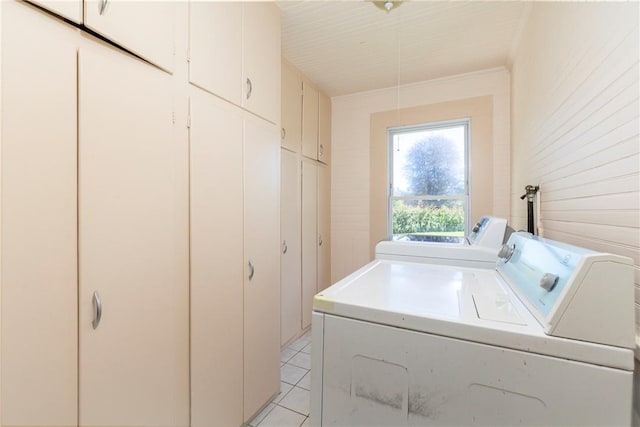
(428, 180)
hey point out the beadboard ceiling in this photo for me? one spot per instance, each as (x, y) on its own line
(352, 46)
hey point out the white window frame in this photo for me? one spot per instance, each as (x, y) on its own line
(466, 197)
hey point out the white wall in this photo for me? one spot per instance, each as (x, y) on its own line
(575, 125)
(350, 160)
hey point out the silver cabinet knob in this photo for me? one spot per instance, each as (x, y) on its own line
(252, 270)
(102, 5)
(285, 248)
(249, 88)
(283, 133)
(97, 310)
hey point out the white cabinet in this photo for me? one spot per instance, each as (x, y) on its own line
(309, 121)
(291, 132)
(216, 262)
(290, 234)
(245, 37)
(324, 128)
(324, 227)
(262, 264)
(215, 38)
(132, 246)
(146, 28)
(261, 59)
(69, 9)
(39, 330)
(316, 124)
(308, 184)
(235, 262)
(316, 234)
(309, 238)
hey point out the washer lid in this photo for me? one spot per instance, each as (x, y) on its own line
(443, 300)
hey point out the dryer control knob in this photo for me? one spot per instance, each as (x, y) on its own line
(506, 252)
(476, 227)
(549, 281)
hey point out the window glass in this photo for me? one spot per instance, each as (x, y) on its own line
(428, 172)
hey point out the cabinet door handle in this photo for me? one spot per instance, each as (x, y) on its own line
(97, 310)
(283, 133)
(252, 270)
(285, 248)
(320, 240)
(321, 150)
(249, 88)
(102, 5)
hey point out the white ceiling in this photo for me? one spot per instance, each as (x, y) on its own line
(352, 46)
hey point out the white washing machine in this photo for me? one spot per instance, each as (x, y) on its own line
(544, 339)
(479, 249)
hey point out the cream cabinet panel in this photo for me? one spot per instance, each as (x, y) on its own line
(216, 262)
(215, 48)
(291, 133)
(290, 205)
(146, 28)
(69, 9)
(39, 220)
(324, 227)
(309, 121)
(324, 128)
(309, 238)
(262, 264)
(261, 59)
(133, 246)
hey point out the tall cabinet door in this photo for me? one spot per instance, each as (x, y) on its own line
(216, 262)
(133, 246)
(262, 264)
(290, 319)
(324, 227)
(39, 220)
(309, 238)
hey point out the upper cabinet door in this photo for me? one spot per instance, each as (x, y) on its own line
(69, 9)
(133, 245)
(291, 133)
(261, 60)
(309, 121)
(324, 128)
(215, 38)
(146, 28)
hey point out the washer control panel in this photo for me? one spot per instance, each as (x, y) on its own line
(573, 292)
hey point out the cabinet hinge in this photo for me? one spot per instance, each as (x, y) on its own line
(188, 122)
(188, 55)
(173, 118)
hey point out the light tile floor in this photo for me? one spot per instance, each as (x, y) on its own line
(291, 407)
